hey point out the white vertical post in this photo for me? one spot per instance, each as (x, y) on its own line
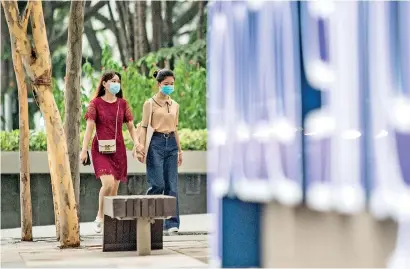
(143, 236)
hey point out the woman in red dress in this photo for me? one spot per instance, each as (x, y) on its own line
(107, 112)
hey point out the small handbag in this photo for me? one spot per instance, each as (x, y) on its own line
(109, 146)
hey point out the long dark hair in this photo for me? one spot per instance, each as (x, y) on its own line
(100, 91)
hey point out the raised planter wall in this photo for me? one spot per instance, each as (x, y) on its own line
(192, 187)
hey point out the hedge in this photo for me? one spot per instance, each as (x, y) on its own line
(190, 140)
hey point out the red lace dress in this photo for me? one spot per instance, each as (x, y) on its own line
(104, 115)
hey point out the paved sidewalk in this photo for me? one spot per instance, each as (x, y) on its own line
(183, 251)
(180, 251)
(199, 223)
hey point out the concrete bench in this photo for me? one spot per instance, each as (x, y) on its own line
(133, 222)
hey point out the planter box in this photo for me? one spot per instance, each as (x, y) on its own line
(192, 187)
(194, 162)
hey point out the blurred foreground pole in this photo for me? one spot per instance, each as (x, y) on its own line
(254, 122)
(400, 19)
(235, 232)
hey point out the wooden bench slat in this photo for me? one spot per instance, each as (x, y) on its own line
(151, 206)
(170, 206)
(130, 208)
(144, 208)
(159, 206)
(135, 206)
(115, 206)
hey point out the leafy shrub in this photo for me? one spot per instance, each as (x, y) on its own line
(195, 51)
(9, 141)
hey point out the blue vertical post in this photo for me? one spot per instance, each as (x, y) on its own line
(240, 234)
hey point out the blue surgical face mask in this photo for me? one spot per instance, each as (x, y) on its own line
(115, 88)
(167, 89)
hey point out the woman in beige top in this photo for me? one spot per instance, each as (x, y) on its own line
(164, 153)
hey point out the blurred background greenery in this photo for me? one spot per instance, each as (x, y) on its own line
(131, 37)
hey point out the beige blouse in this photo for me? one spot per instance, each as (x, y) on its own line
(164, 115)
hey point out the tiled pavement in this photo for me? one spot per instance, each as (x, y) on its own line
(188, 250)
(182, 251)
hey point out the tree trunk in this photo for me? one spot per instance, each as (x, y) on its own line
(200, 31)
(142, 30)
(91, 35)
(56, 194)
(186, 17)
(37, 64)
(123, 28)
(168, 23)
(146, 48)
(118, 36)
(142, 37)
(73, 92)
(135, 21)
(5, 57)
(169, 42)
(25, 193)
(130, 26)
(157, 23)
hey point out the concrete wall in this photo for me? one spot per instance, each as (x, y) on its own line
(192, 188)
(194, 163)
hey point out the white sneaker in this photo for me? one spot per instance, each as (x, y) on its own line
(97, 225)
(173, 230)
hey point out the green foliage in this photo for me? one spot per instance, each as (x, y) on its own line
(195, 51)
(59, 98)
(193, 140)
(190, 86)
(9, 141)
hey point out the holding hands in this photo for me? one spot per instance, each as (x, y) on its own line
(138, 153)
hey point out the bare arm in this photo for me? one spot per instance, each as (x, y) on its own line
(176, 132)
(88, 132)
(144, 123)
(128, 119)
(178, 143)
(132, 131)
(177, 139)
(91, 117)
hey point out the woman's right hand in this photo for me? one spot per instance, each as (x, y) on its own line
(83, 156)
(136, 150)
(140, 157)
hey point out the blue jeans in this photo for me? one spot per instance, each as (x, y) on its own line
(162, 171)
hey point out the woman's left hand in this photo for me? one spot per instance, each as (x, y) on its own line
(179, 158)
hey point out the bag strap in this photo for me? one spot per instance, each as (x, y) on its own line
(150, 112)
(116, 123)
